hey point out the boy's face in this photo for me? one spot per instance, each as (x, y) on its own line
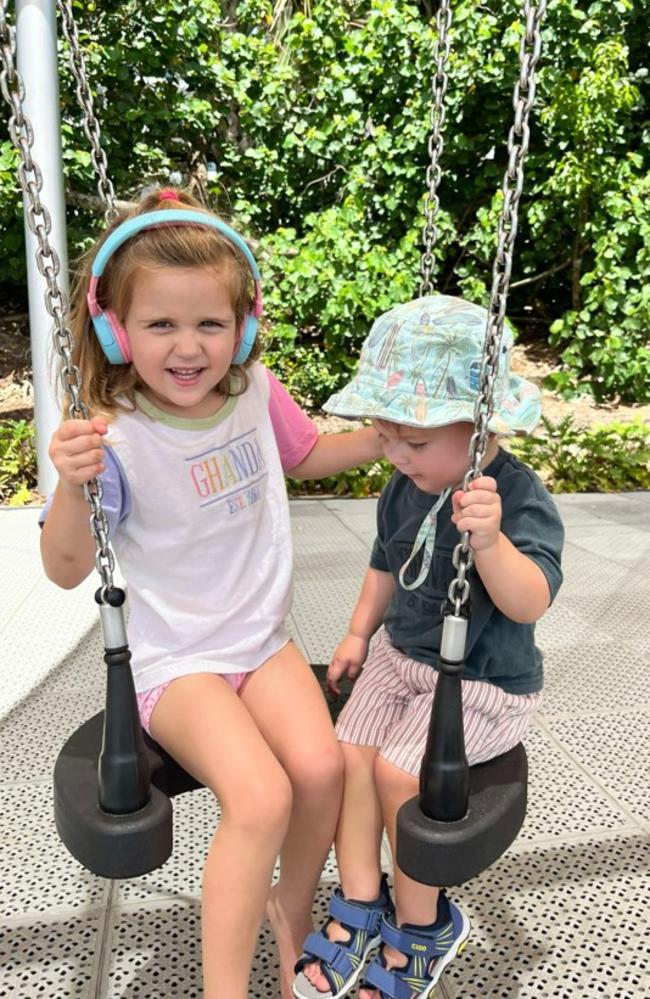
(434, 458)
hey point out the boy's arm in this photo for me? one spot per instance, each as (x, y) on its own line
(515, 583)
(334, 453)
(67, 545)
(376, 593)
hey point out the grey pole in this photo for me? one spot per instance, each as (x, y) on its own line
(36, 45)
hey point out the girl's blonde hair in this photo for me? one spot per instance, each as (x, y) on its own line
(106, 387)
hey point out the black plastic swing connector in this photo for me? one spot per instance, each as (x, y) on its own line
(114, 845)
(112, 783)
(119, 844)
(444, 774)
(464, 817)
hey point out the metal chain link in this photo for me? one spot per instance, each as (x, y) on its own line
(85, 98)
(513, 183)
(436, 145)
(47, 259)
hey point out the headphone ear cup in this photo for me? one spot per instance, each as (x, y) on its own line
(121, 336)
(247, 341)
(113, 338)
(104, 334)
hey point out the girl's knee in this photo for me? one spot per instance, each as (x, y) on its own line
(318, 770)
(260, 808)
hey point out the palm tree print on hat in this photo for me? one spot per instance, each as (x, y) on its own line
(386, 350)
(450, 344)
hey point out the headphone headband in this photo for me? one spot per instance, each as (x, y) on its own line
(111, 334)
(168, 216)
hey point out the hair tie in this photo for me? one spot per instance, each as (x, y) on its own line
(168, 195)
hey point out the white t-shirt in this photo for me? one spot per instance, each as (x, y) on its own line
(201, 530)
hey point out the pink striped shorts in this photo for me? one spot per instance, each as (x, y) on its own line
(148, 699)
(391, 703)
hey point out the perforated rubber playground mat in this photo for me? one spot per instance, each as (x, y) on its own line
(563, 915)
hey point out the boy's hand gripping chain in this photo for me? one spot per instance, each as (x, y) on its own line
(513, 183)
(439, 843)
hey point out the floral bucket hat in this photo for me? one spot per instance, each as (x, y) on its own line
(421, 366)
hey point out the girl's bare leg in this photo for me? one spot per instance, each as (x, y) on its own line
(205, 726)
(285, 700)
(414, 903)
(358, 840)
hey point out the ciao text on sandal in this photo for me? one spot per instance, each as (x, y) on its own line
(428, 953)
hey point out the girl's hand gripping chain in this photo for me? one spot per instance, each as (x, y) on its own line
(76, 451)
(478, 510)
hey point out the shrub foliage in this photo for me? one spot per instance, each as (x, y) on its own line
(314, 117)
(611, 458)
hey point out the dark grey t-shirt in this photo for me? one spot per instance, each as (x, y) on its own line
(500, 651)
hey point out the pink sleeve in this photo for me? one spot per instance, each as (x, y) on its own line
(294, 432)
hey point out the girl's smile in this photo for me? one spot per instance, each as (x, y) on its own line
(183, 334)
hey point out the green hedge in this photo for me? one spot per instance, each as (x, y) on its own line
(613, 457)
(316, 118)
(17, 462)
(610, 458)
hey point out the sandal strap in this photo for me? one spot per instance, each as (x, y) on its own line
(356, 915)
(334, 956)
(388, 982)
(340, 960)
(411, 943)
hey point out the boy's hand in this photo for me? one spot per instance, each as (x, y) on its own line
(76, 451)
(348, 658)
(478, 510)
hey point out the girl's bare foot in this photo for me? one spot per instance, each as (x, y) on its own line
(290, 931)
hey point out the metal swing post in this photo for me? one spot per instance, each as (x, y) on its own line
(36, 50)
(122, 768)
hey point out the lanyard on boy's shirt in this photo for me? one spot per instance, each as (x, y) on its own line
(426, 536)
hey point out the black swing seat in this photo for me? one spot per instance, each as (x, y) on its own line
(114, 846)
(449, 853)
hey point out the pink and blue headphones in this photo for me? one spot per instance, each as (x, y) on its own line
(111, 333)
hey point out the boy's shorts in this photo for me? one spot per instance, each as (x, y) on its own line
(390, 708)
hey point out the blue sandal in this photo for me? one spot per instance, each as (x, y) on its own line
(429, 952)
(342, 962)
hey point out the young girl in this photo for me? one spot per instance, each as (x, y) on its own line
(191, 437)
(418, 379)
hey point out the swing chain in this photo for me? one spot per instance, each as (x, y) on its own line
(47, 260)
(513, 183)
(85, 99)
(436, 145)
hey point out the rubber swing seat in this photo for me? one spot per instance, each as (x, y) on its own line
(450, 853)
(112, 845)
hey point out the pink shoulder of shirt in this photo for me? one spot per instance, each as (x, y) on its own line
(294, 431)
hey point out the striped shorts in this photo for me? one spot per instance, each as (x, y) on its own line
(390, 708)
